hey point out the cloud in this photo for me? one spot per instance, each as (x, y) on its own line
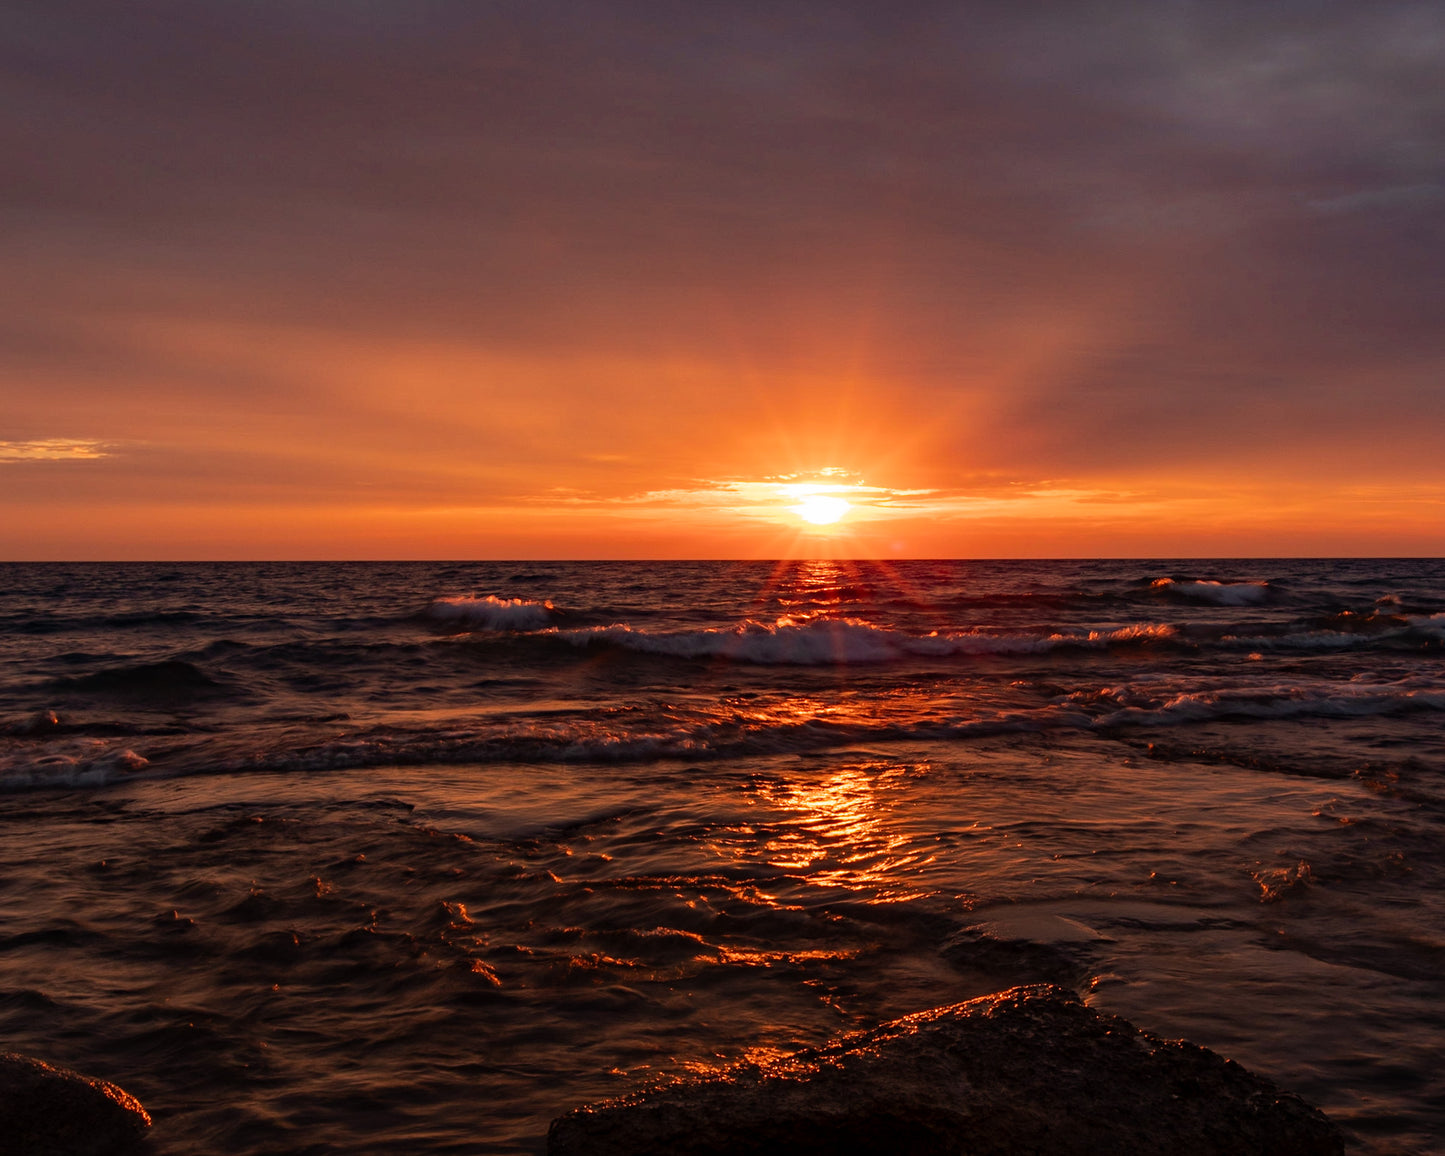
(52, 450)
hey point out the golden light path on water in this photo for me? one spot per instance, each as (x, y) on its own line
(842, 837)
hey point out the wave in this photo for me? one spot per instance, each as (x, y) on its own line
(718, 733)
(1349, 631)
(804, 640)
(1217, 593)
(1369, 622)
(171, 677)
(54, 623)
(1274, 702)
(843, 641)
(493, 613)
(88, 763)
(583, 740)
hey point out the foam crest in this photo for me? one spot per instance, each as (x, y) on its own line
(492, 613)
(1218, 593)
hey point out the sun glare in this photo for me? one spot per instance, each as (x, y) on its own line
(822, 509)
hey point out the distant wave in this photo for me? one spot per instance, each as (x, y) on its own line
(493, 613)
(1218, 593)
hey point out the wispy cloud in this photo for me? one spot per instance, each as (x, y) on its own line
(1421, 196)
(52, 450)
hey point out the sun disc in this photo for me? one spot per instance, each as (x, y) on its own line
(822, 509)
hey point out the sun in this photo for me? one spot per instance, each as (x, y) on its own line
(821, 509)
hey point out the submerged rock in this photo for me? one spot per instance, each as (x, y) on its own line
(1029, 1070)
(50, 1111)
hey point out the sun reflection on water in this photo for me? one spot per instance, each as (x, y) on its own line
(840, 831)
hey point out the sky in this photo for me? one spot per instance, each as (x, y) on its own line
(466, 279)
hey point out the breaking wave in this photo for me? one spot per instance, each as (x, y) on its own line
(493, 613)
(1217, 593)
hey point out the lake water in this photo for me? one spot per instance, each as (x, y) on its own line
(373, 858)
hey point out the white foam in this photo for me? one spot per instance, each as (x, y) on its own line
(493, 613)
(1219, 593)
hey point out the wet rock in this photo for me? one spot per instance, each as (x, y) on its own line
(1029, 1070)
(50, 1111)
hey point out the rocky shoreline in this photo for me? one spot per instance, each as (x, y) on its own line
(1028, 1070)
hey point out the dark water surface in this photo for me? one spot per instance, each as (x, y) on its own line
(379, 858)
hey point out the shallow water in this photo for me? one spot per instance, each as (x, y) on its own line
(323, 859)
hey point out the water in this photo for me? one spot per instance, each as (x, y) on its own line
(375, 858)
